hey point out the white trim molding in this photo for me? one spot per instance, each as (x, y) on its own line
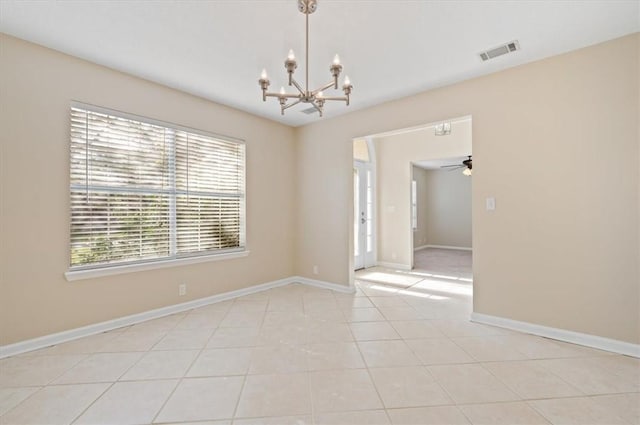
(324, 285)
(462, 248)
(72, 334)
(593, 341)
(394, 265)
(72, 275)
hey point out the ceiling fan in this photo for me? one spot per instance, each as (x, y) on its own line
(467, 164)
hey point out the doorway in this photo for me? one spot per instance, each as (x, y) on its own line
(383, 232)
(364, 249)
(363, 215)
(442, 216)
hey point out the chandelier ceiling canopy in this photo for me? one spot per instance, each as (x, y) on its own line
(315, 97)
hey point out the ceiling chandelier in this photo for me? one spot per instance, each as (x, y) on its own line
(314, 97)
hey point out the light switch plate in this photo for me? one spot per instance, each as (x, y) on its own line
(491, 204)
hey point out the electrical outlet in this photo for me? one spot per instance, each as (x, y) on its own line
(182, 289)
(315, 270)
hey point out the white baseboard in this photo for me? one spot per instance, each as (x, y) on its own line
(418, 248)
(70, 335)
(324, 285)
(394, 265)
(462, 248)
(601, 343)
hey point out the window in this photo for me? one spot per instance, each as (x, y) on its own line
(143, 190)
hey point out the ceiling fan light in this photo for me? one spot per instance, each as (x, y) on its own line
(467, 171)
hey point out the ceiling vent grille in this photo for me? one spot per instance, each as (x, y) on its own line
(509, 47)
(309, 111)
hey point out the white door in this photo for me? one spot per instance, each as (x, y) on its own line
(363, 215)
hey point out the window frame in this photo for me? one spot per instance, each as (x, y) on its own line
(175, 259)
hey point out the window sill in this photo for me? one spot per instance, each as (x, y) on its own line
(130, 268)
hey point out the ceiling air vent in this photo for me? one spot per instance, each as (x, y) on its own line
(309, 111)
(509, 47)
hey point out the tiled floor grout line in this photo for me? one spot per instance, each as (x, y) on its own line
(195, 358)
(112, 384)
(246, 375)
(479, 362)
(582, 394)
(107, 389)
(445, 336)
(521, 399)
(93, 402)
(309, 389)
(40, 388)
(437, 382)
(373, 382)
(533, 407)
(244, 382)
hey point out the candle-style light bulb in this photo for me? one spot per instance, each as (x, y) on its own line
(347, 87)
(291, 56)
(320, 94)
(336, 59)
(282, 92)
(263, 75)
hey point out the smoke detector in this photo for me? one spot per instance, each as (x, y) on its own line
(503, 49)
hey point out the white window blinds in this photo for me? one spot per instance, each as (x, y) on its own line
(143, 190)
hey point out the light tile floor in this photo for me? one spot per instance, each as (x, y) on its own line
(400, 351)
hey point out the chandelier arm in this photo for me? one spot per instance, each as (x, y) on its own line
(286, 96)
(292, 104)
(327, 86)
(296, 85)
(343, 98)
(319, 109)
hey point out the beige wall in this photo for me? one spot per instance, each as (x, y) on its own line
(394, 154)
(36, 86)
(556, 143)
(444, 208)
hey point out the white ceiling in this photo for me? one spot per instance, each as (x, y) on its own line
(389, 49)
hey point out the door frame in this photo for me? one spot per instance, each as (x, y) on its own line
(370, 138)
(370, 166)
